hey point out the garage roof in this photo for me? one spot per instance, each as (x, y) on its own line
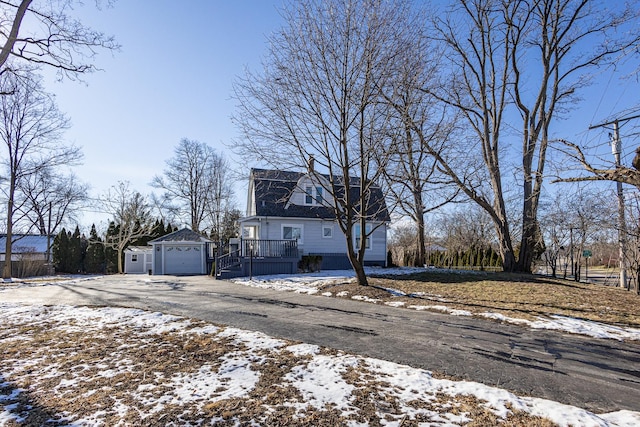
(183, 235)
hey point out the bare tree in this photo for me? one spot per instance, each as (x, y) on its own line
(420, 124)
(599, 169)
(466, 227)
(220, 195)
(556, 230)
(55, 38)
(131, 216)
(632, 253)
(31, 127)
(317, 104)
(528, 60)
(196, 185)
(48, 200)
(51, 199)
(572, 221)
(402, 243)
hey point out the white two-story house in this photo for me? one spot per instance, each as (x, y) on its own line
(296, 206)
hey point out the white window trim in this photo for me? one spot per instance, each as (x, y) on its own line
(246, 230)
(368, 239)
(308, 195)
(300, 226)
(330, 227)
(313, 195)
(319, 198)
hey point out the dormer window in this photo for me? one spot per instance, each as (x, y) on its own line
(313, 195)
(308, 197)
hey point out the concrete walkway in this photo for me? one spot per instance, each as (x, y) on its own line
(599, 375)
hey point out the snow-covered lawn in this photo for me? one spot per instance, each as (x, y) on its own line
(77, 366)
(313, 283)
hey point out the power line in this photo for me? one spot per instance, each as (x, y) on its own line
(616, 148)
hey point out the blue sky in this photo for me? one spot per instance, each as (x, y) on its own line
(172, 79)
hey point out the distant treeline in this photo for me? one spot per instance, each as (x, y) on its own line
(472, 257)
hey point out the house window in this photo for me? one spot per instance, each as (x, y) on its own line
(327, 231)
(308, 196)
(356, 235)
(292, 232)
(134, 257)
(250, 232)
(313, 195)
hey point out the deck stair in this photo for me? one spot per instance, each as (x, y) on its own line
(258, 257)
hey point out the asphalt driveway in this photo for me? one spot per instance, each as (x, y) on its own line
(596, 374)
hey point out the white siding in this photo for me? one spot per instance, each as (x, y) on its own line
(251, 199)
(313, 242)
(299, 193)
(142, 262)
(378, 249)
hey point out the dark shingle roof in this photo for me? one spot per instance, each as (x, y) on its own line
(273, 189)
(183, 235)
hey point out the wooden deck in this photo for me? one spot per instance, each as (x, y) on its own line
(258, 257)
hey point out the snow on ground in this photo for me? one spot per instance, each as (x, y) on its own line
(321, 379)
(311, 283)
(46, 280)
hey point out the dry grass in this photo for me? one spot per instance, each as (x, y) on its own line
(62, 371)
(118, 376)
(514, 295)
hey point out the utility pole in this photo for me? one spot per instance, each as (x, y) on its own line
(616, 148)
(573, 273)
(49, 268)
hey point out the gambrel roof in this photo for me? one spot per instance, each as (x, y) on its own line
(273, 190)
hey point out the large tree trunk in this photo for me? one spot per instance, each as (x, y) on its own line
(120, 267)
(356, 258)
(531, 245)
(505, 246)
(420, 259)
(528, 245)
(361, 277)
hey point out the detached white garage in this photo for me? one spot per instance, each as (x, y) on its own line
(180, 253)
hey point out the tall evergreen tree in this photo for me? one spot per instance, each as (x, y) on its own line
(158, 229)
(94, 261)
(111, 255)
(76, 252)
(169, 229)
(60, 251)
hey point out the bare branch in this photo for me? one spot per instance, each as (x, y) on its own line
(31, 127)
(319, 97)
(131, 218)
(621, 174)
(59, 40)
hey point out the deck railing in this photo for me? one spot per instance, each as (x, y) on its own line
(260, 248)
(232, 259)
(257, 256)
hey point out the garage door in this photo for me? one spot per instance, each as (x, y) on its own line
(183, 259)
